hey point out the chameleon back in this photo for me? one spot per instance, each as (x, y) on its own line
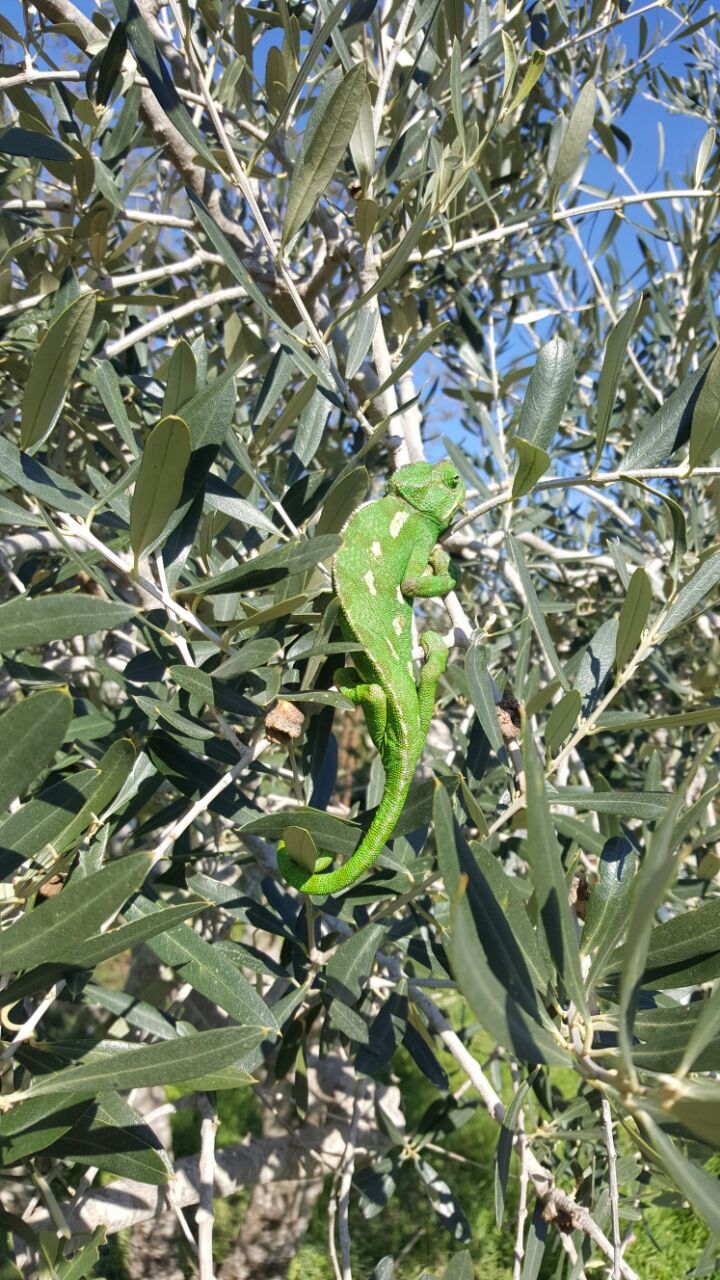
(366, 581)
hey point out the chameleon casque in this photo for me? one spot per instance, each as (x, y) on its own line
(389, 555)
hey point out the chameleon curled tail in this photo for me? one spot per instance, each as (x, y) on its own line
(322, 881)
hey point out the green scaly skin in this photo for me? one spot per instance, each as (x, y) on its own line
(389, 555)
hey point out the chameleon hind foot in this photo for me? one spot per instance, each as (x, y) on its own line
(436, 660)
(372, 699)
(435, 650)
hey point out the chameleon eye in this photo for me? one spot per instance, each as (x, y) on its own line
(452, 482)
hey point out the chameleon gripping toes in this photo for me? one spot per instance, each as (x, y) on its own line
(389, 555)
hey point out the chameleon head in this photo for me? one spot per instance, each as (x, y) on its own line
(436, 490)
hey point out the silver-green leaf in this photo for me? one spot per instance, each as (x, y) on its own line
(159, 483)
(317, 165)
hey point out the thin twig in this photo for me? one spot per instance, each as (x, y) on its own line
(205, 1216)
(612, 1186)
(169, 318)
(30, 1024)
(65, 76)
(332, 1246)
(348, 1168)
(521, 1148)
(224, 726)
(602, 294)
(245, 186)
(393, 55)
(681, 474)
(561, 215)
(200, 805)
(130, 278)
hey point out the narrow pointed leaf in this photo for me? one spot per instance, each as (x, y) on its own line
(351, 965)
(112, 1135)
(159, 483)
(562, 720)
(53, 930)
(108, 385)
(34, 145)
(170, 1062)
(655, 874)
(181, 380)
(31, 731)
(532, 463)
(156, 72)
(576, 135)
(633, 616)
(207, 970)
(53, 366)
(693, 593)
(506, 1006)
(112, 771)
(705, 427)
(56, 491)
(705, 1030)
(29, 621)
(547, 394)
(315, 168)
(609, 905)
(93, 951)
(611, 371)
(359, 344)
(551, 886)
(700, 1187)
(668, 428)
(456, 90)
(536, 613)
(532, 74)
(481, 692)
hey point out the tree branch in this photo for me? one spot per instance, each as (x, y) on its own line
(309, 1152)
(600, 478)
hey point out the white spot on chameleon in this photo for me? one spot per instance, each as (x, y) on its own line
(399, 596)
(376, 549)
(411, 669)
(391, 647)
(370, 582)
(397, 523)
(398, 624)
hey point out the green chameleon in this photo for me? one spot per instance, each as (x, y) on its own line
(389, 555)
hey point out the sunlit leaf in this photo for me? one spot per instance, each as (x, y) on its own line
(547, 394)
(633, 617)
(576, 136)
(615, 352)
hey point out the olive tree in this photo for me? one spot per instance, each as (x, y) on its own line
(254, 258)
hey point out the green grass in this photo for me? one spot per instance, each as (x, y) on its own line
(669, 1243)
